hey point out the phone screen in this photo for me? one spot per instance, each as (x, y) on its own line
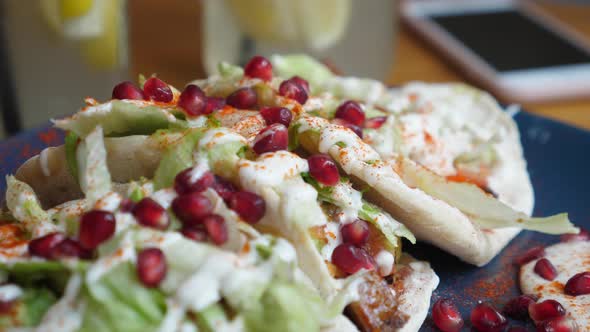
(509, 40)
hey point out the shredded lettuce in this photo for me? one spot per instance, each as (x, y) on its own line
(178, 157)
(23, 204)
(122, 118)
(119, 302)
(481, 207)
(224, 157)
(391, 228)
(71, 145)
(227, 70)
(302, 65)
(211, 317)
(95, 179)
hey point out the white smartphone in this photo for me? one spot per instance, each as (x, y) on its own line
(510, 47)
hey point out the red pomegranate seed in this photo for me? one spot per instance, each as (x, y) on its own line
(352, 112)
(213, 104)
(192, 100)
(276, 115)
(518, 307)
(323, 169)
(376, 122)
(96, 227)
(579, 284)
(517, 329)
(272, 138)
(356, 129)
(216, 228)
(249, 206)
(151, 214)
(446, 316)
(127, 90)
(6, 307)
(184, 182)
(244, 98)
(546, 310)
(151, 267)
(223, 188)
(195, 233)
(545, 269)
(70, 248)
(191, 208)
(259, 67)
(302, 82)
(486, 318)
(351, 259)
(584, 235)
(43, 246)
(529, 255)
(126, 205)
(559, 324)
(156, 90)
(356, 232)
(292, 90)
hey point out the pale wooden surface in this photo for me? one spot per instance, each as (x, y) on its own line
(166, 39)
(416, 60)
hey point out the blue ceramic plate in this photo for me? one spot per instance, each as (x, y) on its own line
(558, 162)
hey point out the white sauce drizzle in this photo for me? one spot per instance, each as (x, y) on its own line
(66, 314)
(385, 262)
(10, 292)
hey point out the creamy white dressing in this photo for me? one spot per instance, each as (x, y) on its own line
(10, 292)
(348, 199)
(271, 169)
(109, 202)
(334, 239)
(66, 314)
(44, 162)
(164, 197)
(200, 168)
(384, 260)
(219, 136)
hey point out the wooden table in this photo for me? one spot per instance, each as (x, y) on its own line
(166, 39)
(417, 61)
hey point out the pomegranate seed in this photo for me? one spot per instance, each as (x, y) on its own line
(192, 100)
(213, 104)
(151, 214)
(352, 112)
(249, 206)
(127, 90)
(545, 269)
(195, 233)
(191, 208)
(302, 82)
(216, 228)
(96, 227)
(292, 90)
(376, 122)
(276, 115)
(156, 90)
(486, 318)
(584, 235)
(126, 205)
(546, 310)
(151, 267)
(6, 307)
(559, 324)
(529, 255)
(259, 67)
(518, 307)
(223, 188)
(323, 169)
(356, 232)
(356, 129)
(70, 248)
(244, 98)
(184, 182)
(579, 284)
(446, 316)
(43, 246)
(351, 259)
(272, 138)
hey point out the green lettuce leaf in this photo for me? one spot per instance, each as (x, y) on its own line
(29, 309)
(315, 72)
(227, 70)
(178, 157)
(119, 302)
(122, 118)
(389, 227)
(23, 203)
(95, 179)
(71, 145)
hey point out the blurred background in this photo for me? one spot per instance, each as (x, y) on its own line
(53, 53)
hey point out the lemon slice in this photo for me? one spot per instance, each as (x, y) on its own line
(315, 24)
